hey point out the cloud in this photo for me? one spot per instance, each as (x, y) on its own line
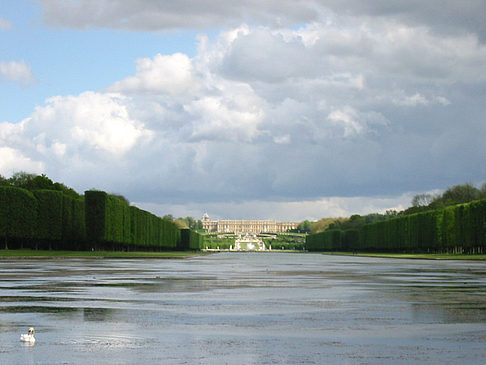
(347, 120)
(12, 160)
(17, 71)
(446, 17)
(284, 210)
(90, 122)
(77, 135)
(160, 15)
(164, 74)
(263, 117)
(443, 16)
(418, 99)
(5, 24)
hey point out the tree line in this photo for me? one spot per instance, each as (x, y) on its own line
(452, 228)
(458, 194)
(37, 213)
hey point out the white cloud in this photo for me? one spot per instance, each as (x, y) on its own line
(227, 118)
(12, 160)
(346, 119)
(90, 131)
(164, 74)
(99, 122)
(17, 71)
(414, 100)
(418, 99)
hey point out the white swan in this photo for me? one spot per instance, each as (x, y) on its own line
(29, 337)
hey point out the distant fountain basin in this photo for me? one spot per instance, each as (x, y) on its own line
(248, 243)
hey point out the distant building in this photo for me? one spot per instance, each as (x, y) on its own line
(246, 226)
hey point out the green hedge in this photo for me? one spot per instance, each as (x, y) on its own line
(110, 222)
(49, 216)
(73, 223)
(191, 240)
(330, 240)
(459, 228)
(18, 214)
(52, 219)
(95, 207)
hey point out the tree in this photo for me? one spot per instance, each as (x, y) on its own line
(32, 181)
(460, 194)
(323, 224)
(391, 213)
(22, 180)
(422, 200)
(304, 227)
(354, 222)
(181, 223)
(191, 222)
(482, 191)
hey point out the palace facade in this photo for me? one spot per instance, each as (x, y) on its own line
(246, 226)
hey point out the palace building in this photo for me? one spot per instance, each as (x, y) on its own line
(246, 226)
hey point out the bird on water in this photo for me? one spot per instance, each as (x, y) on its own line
(29, 336)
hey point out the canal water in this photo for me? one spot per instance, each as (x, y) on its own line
(243, 308)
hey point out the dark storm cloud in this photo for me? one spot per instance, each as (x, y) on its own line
(442, 15)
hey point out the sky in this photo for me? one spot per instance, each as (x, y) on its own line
(277, 109)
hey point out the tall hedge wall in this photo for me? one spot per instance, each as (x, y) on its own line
(191, 240)
(108, 220)
(18, 215)
(111, 222)
(52, 219)
(95, 213)
(49, 216)
(151, 232)
(459, 228)
(73, 223)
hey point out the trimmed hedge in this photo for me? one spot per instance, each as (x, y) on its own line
(330, 240)
(191, 240)
(73, 223)
(18, 215)
(112, 223)
(52, 219)
(459, 228)
(108, 221)
(49, 216)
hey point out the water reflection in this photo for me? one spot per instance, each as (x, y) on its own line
(96, 314)
(245, 308)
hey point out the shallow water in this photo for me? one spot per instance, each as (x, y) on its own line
(243, 308)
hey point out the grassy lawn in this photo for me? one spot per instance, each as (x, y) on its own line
(96, 254)
(426, 256)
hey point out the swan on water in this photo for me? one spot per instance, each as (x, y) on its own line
(29, 337)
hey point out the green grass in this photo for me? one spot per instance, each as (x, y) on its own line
(424, 256)
(96, 254)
